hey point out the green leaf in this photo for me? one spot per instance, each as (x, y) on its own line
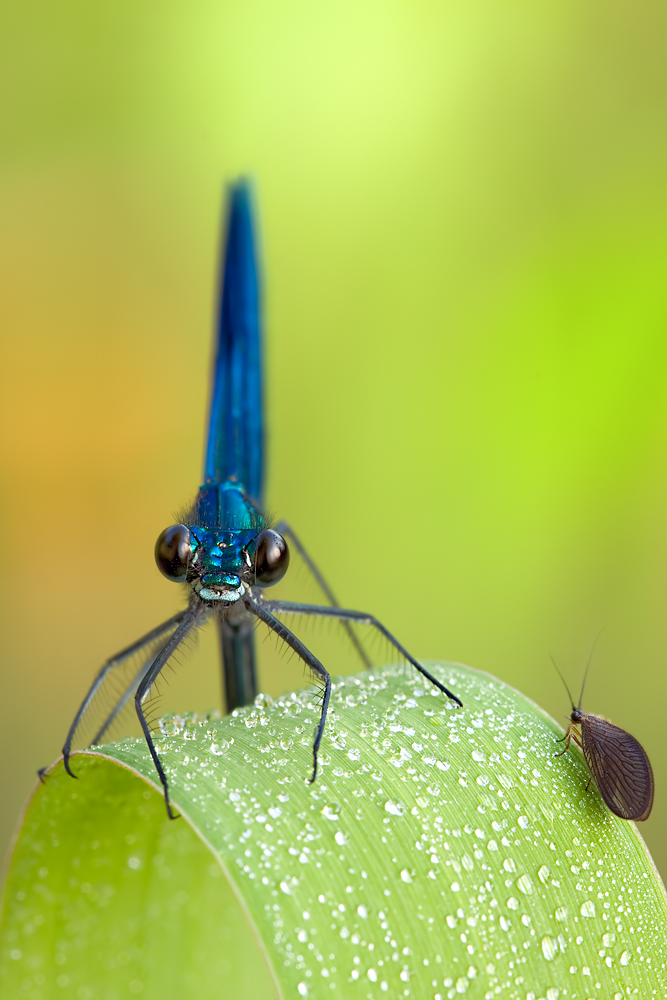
(440, 852)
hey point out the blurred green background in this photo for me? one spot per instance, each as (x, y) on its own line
(464, 227)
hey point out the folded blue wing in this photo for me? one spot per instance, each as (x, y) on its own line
(235, 446)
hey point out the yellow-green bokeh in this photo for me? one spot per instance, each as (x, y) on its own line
(464, 229)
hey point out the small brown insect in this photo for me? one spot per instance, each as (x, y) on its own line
(616, 760)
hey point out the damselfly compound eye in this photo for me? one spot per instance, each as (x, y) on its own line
(172, 552)
(271, 557)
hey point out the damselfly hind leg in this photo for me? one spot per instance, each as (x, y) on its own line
(292, 608)
(287, 531)
(103, 675)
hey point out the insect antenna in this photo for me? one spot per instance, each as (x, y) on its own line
(563, 680)
(590, 657)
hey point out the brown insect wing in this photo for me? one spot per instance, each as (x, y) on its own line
(620, 766)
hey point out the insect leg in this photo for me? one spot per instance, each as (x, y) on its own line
(289, 607)
(311, 661)
(115, 661)
(122, 702)
(146, 683)
(284, 529)
(571, 734)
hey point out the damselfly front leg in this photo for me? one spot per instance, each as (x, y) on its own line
(146, 683)
(264, 614)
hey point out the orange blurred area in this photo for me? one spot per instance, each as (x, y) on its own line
(464, 232)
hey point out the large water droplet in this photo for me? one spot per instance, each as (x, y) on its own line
(525, 884)
(549, 948)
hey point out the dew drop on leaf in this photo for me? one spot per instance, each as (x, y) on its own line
(549, 948)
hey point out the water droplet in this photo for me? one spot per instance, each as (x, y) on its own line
(549, 948)
(513, 903)
(461, 985)
(331, 811)
(395, 808)
(525, 884)
(587, 909)
(505, 923)
(362, 911)
(372, 975)
(561, 914)
(625, 958)
(523, 822)
(303, 989)
(218, 749)
(508, 865)
(543, 874)
(341, 838)
(406, 876)
(553, 993)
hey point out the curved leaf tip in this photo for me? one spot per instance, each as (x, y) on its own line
(440, 852)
